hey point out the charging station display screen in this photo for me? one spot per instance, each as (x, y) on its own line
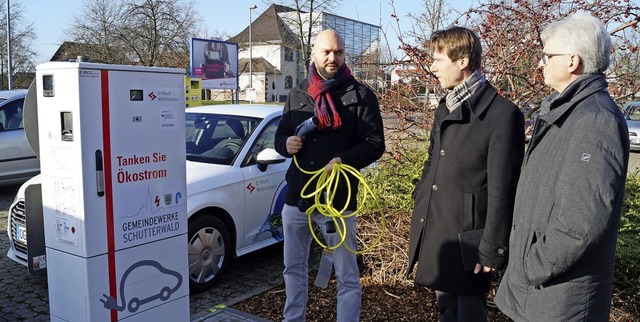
(47, 85)
(135, 95)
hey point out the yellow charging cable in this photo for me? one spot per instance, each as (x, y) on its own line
(328, 184)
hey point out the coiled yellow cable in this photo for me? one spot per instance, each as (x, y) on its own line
(328, 184)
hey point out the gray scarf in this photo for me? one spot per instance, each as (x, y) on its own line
(463, 91)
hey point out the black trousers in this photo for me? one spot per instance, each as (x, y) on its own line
(461, 308)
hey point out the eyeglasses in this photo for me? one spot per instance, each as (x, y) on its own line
(546, 57)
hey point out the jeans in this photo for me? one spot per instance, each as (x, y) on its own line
(455, 308)
(297, 240)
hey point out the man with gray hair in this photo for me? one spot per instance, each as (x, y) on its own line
(571, 188)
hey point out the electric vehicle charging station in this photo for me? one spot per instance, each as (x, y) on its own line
(112, 155)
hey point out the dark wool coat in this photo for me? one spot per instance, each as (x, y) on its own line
(358, 143)
(468, 183)
(567, 210)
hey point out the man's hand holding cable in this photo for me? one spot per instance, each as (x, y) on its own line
(294, 144)
(329, 167)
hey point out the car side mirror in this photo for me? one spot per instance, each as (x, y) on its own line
(268, 156)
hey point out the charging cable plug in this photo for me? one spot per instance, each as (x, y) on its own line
(306, 127)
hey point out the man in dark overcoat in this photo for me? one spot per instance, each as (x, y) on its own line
(571, 189)
(468, 182)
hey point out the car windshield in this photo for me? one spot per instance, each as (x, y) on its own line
(633, 113)
(215, 138)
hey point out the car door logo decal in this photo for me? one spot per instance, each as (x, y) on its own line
(261, 185)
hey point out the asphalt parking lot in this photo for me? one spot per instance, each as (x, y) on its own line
(25, 298)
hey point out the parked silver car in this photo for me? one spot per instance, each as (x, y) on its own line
(632, 115)
(18, 162)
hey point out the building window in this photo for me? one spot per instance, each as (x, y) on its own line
(288, 82)
(288, 54)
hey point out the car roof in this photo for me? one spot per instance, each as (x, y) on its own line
(251, 110)
(629, 104)
(10, 93)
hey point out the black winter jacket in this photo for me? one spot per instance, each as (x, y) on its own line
(468, 183)
(359, 142)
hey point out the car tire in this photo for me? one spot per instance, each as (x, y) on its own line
(210, 252)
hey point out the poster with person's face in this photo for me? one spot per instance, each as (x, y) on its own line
(216, 62)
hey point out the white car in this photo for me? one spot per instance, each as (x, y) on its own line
(632, 115)
(235, 189)
(18, 162)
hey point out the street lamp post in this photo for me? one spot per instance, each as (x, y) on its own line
(250, 51)
(9, 70)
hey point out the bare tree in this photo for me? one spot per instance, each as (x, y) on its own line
(22, 53)
(510, 30)
(142, 32)
(408, 98)
(436, 15)
(95, 32)
(157, 32)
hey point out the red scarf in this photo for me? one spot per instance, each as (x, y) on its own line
(319, 89)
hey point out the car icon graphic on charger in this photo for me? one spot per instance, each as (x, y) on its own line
(134, 303)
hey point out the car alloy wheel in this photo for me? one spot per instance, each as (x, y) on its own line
(209, 251)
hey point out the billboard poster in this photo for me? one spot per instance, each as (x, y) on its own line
(216, 62)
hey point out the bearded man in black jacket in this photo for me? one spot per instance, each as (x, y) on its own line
(349, 131)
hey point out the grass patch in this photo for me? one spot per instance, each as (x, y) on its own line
(627, 276)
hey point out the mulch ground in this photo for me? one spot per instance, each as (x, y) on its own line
(379, 303)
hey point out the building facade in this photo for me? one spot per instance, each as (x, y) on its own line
(361, 41)
(277, 62)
